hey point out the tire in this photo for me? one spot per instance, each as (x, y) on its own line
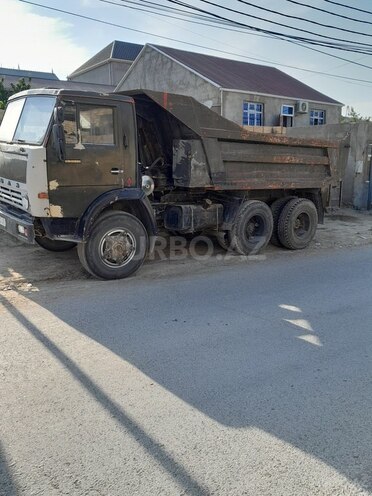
(276, 209)
(297, 224)
(54, 244)
(223, 240)
(116, 248)
(252, 228)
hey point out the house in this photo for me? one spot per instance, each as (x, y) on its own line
(37, 79)
(248, 94)
(109, 65)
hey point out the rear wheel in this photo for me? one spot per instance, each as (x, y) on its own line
(222, 238)
(54, 244)
(276, 209)
(297, 223)
(252, 228)
(116, 248)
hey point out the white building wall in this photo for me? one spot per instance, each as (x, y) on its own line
(232, 109)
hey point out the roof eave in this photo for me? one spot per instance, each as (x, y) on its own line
(94, 66)
(232, 90)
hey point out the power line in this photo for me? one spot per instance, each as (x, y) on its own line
(136, 2)
(284, 25)
(311, 41)
(277, 35)
(151, 4)
(227, 25)
(193, 44)
(187, 16)
(305, 20)
(348, 7)
(108, 23)
(328, 11)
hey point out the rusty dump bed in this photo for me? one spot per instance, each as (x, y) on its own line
(208, 151)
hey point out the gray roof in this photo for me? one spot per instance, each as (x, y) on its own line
(116, 50)
(57, 83)
(125, 51)
(246, 77)
(20, 73)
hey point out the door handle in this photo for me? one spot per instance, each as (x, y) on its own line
(116, 171)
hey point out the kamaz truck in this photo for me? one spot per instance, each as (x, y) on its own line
(104, 172)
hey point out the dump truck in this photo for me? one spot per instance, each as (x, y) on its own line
(105, 172)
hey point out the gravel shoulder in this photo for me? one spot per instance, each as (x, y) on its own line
(24, 267)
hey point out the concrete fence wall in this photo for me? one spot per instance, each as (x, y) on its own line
(356, 187)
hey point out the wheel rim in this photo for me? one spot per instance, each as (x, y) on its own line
(117, 248)
(255, 228)
(302, 225)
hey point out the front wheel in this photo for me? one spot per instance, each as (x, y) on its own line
(116, 248)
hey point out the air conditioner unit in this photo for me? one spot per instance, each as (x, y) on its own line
(302, 107)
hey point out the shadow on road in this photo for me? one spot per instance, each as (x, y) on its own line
(254, 348)
(177, 472)
(7, 484)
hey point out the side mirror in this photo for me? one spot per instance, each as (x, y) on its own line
(59, 141)
(59, 114)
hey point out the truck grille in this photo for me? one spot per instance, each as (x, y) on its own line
(11, 196)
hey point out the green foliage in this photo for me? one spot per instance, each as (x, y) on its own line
(5, 93)
(20, 86)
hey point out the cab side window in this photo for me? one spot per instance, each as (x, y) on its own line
(96, 125)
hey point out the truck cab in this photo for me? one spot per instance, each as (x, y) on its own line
(65, 157)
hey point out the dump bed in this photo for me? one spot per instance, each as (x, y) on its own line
(209, 151)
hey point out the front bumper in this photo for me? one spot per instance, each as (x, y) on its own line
(17, 223)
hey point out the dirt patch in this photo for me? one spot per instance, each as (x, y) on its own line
(23, 266)
(346, 218)
(344, 228)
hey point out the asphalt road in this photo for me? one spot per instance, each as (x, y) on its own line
(250, 379)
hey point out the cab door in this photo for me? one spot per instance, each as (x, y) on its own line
(96, 155)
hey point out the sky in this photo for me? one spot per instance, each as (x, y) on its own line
(35, 38)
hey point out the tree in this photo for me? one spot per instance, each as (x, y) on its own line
(5, 93)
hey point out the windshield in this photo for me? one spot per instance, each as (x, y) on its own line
(26, 120)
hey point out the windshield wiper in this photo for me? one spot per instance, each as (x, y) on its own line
(21, 141)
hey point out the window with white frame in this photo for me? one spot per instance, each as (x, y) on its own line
(286, 115)
(287, 110)
(317, 117)
(252, 114)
